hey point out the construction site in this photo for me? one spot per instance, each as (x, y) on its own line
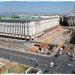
(39, 47)
(46, 44)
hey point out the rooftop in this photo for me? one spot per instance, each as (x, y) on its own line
(16, 17)
(25, 17)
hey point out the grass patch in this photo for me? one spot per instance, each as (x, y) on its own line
(11, 70)
(21, 68)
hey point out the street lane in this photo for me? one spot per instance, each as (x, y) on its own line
(61, 61)
(25, 58)
(39, 58)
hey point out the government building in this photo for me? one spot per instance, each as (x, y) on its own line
(27, 29)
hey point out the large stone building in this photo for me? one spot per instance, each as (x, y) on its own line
(27, 29)
(68, 21)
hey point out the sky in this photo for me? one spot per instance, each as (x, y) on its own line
(37, 7)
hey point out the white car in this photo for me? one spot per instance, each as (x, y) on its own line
(51, 64)
(60, 51)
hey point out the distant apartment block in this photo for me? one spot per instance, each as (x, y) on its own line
(27, 28)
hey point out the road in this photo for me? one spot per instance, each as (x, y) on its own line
(61, 61)
(64, 65)
(25, 58)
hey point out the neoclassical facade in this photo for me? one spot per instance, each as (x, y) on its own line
(27, 28)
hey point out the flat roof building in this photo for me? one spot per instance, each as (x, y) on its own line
(27, 28)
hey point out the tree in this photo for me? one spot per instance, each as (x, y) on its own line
(0, 17)
(15, 16)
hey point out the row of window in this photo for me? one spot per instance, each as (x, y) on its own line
(22, 30)
(5, 23)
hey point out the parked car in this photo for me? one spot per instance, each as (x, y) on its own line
(61, 51)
